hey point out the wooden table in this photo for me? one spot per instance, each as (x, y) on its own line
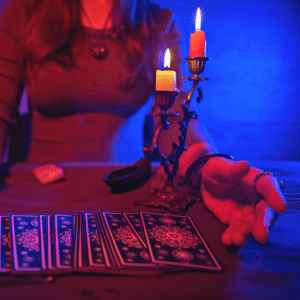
(269, 271)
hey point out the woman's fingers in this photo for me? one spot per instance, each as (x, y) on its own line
(264, 219)
(221, 175)
(221, 169)
(256, 224)
(268, 187)
(232, 184)
(238, 231)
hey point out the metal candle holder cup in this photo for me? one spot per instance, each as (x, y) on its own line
(196, 67)
(169, 197)
(165, 99)
(196, 64)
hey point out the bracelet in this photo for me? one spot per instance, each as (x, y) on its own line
(281, 184)
(262, 174)
(197, 163)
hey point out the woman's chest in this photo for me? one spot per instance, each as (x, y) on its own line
(91, 85)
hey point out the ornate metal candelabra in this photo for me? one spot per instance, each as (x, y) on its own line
(170, 197)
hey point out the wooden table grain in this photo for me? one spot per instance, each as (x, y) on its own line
(268, 271)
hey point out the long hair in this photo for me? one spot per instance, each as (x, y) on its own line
(54, 26)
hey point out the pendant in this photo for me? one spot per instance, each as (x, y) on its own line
(99, 51)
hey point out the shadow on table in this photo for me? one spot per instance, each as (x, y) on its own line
(129, 187)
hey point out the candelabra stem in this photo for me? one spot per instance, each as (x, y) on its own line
(190, 93)
(170, 197)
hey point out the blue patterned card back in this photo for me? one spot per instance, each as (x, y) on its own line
(76, 234)
(42, 226)
(135, 223)
(175, 240)
(95, 249)
(63, 244)
(25, 243)
(50, 242)
(5, 248)
(112, 258)
(128, 248)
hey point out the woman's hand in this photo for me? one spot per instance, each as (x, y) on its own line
(248, 208)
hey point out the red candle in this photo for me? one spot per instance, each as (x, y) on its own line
(197, 39)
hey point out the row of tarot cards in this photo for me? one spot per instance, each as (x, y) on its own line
(102, 242)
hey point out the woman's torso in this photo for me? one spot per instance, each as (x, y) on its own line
(82, 113)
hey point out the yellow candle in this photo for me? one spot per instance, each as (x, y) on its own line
(166, 79)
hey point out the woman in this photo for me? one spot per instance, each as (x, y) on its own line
(89, 70)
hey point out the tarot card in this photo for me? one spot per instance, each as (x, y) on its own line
(76, 238)
(93, 247)
(5, 248)
(135, 223)
(79, 243)
(175, 240)
(63, 240)
(42, 223)
(128, 248)
(82, 245)
(104, 234)
(50, 242)
(25, 243)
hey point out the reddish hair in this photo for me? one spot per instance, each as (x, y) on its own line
(54, 26)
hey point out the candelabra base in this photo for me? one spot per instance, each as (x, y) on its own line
(169, 198)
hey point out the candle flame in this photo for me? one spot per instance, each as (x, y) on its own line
(167, 60)
(198, 19)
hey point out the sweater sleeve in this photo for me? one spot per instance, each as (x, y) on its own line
(11, 78)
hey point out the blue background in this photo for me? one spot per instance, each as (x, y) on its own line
(251, 105)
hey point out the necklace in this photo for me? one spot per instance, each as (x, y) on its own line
(97, 49)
